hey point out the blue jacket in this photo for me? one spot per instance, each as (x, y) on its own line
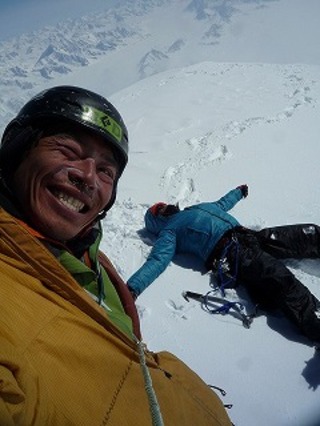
(195, 230)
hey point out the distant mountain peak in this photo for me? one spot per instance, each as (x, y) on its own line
(149, 63)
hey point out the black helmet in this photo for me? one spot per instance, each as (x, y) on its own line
(74, 105)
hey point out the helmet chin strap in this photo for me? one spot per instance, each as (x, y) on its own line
(112, 199)
(103, 213)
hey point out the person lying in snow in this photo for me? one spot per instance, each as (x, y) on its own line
(241, 255)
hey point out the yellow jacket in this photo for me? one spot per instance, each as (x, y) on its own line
(63, 362)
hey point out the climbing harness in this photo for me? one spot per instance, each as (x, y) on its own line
(209, 303)
(222, 265)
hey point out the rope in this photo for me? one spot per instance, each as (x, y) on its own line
(154, 406)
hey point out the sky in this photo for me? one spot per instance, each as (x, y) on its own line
(20, 16)
(196, 132)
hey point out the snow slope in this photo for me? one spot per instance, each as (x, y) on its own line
(197, 132)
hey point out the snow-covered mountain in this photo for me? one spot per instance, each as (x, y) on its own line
(77, 42)
(197, 129)
(138, 39)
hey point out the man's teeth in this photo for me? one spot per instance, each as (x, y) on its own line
(70, 202)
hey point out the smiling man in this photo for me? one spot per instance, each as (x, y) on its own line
(65, 181)
(70, 342)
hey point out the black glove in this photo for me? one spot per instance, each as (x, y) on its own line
(244, 190)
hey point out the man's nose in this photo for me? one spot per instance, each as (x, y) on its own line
(84, 171)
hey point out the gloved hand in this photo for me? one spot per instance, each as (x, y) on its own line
(244, 190)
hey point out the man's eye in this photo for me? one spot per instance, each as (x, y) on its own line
(107, 171)
(69, 152)
(67, 146)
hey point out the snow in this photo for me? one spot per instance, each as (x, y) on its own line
(195, 133)
(245, 111)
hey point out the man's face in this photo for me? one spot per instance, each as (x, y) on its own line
(64, 182)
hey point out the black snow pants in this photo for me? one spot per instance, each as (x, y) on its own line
(268, 281)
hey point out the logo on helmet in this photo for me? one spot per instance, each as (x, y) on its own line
(103, 121)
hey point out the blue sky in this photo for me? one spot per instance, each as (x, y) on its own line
(20, 16)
